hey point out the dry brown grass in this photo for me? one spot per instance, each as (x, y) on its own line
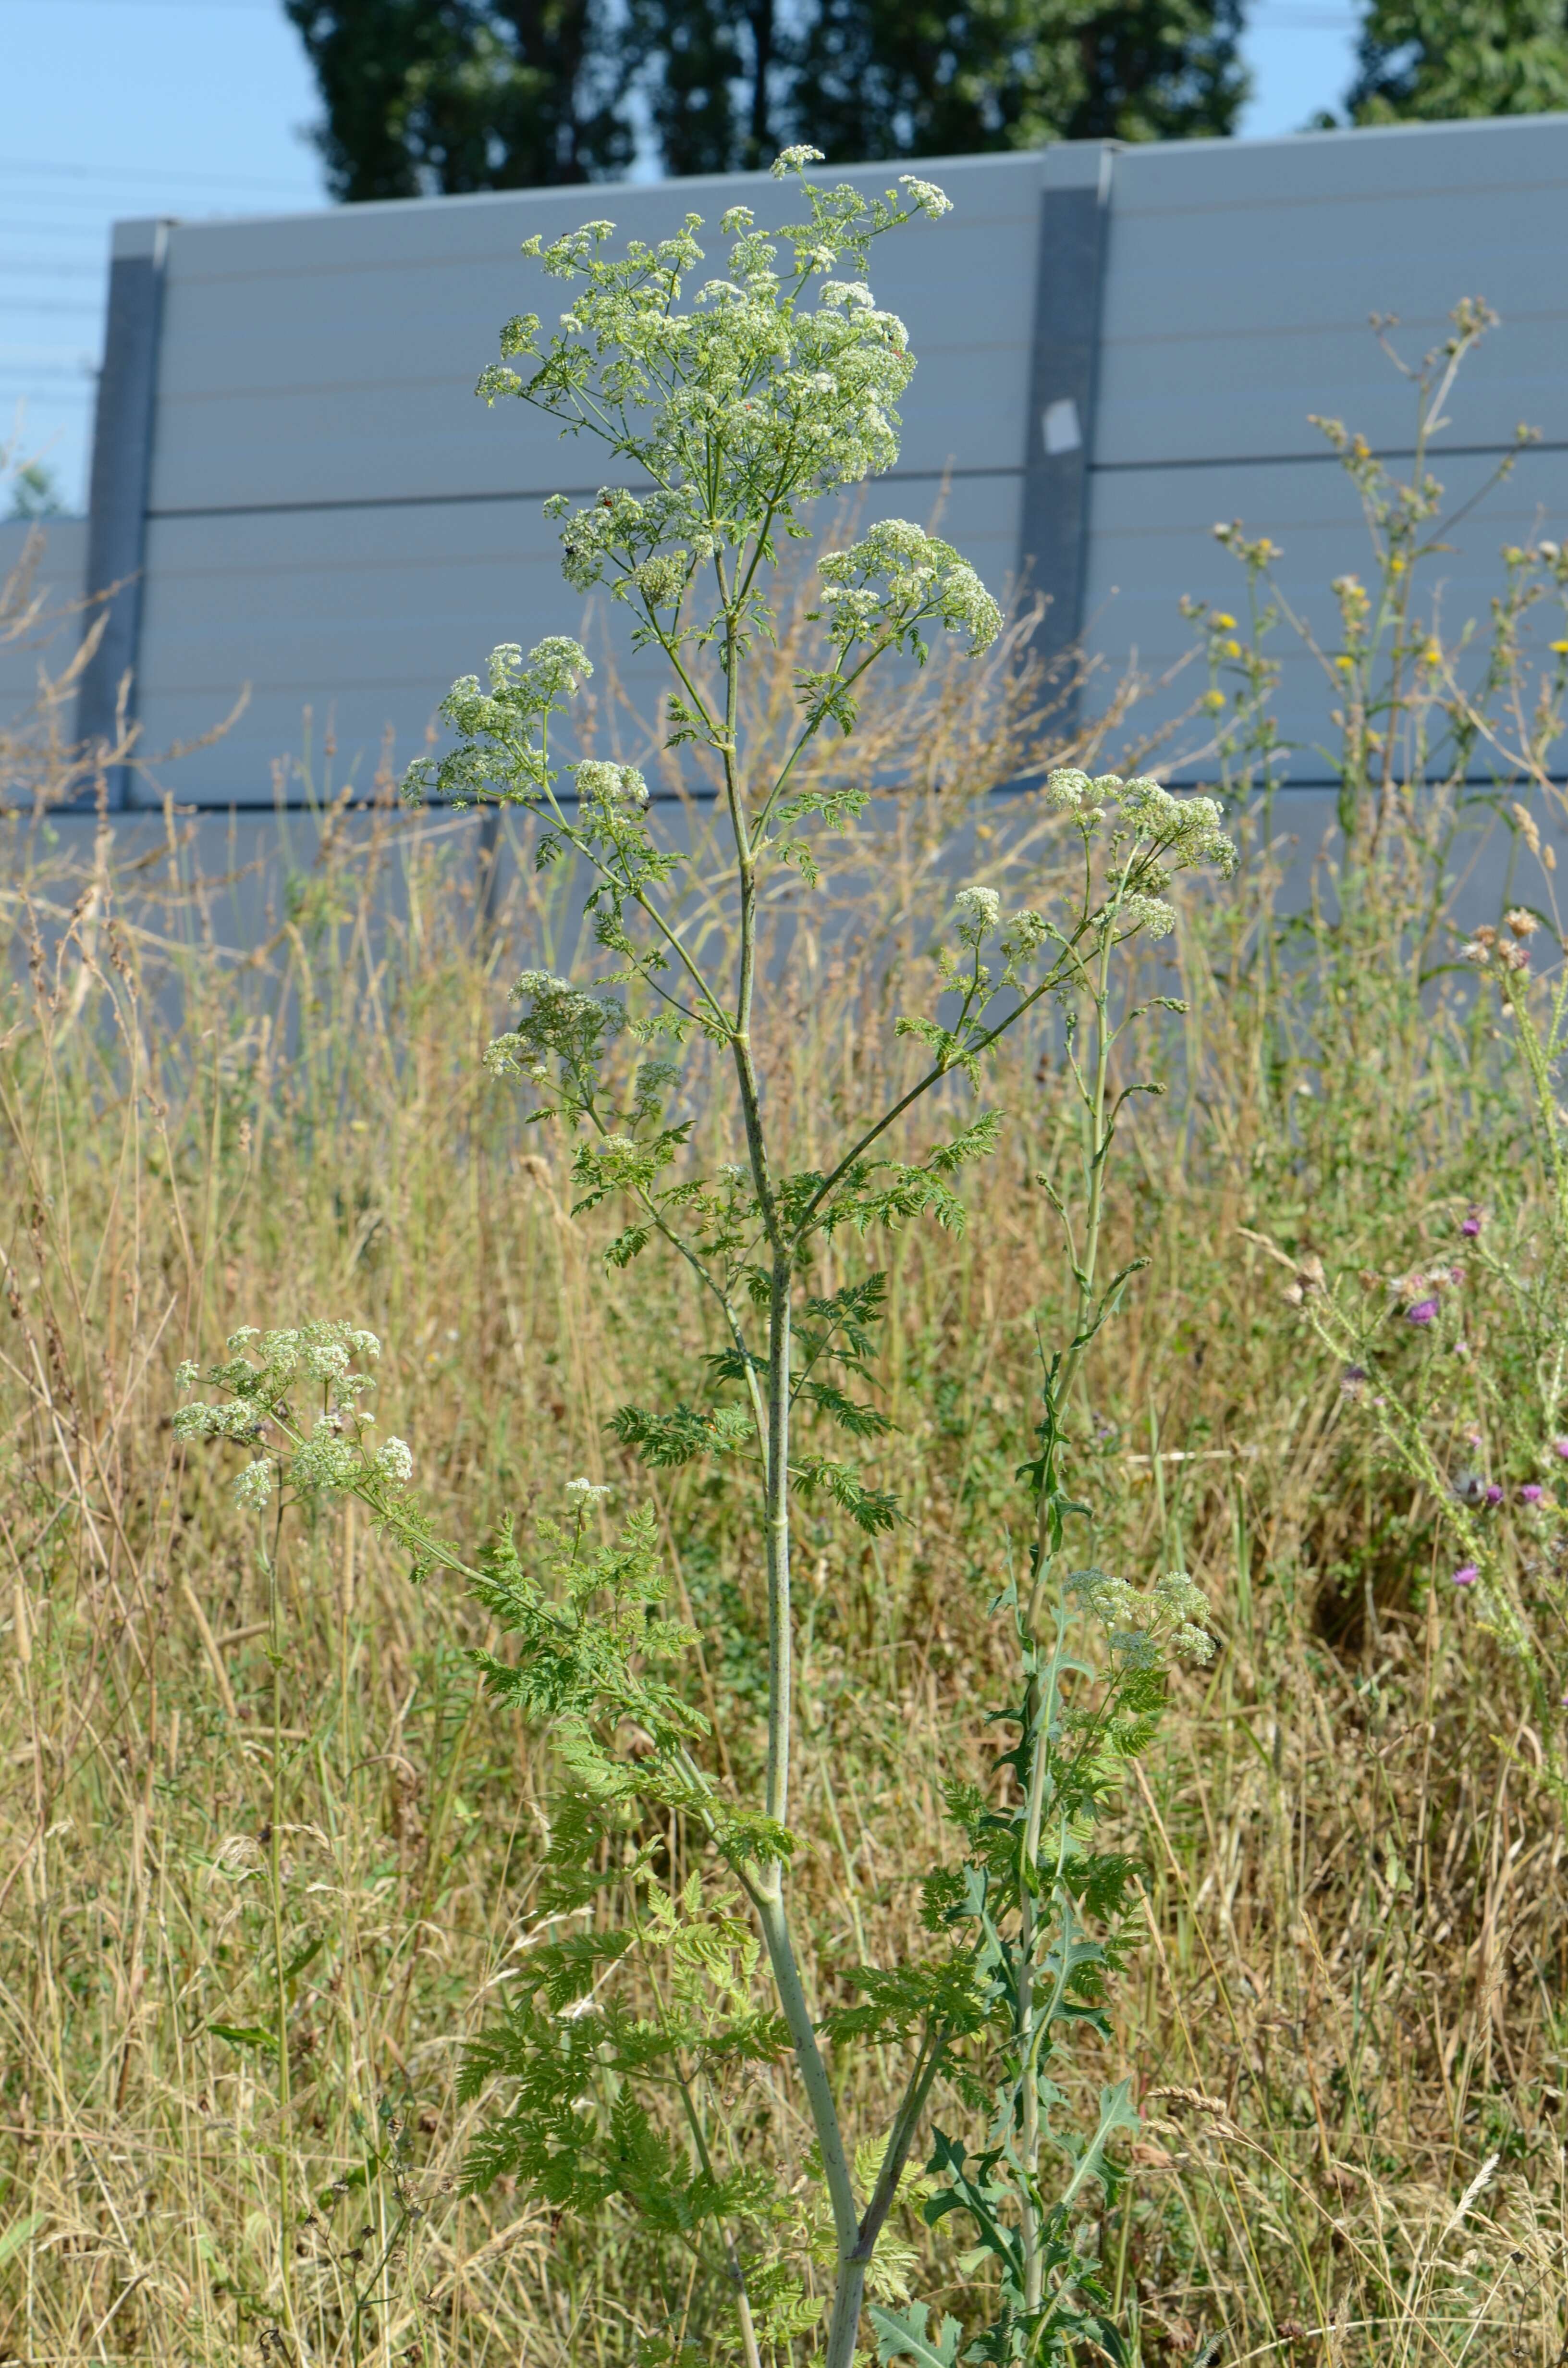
(1350, 2000)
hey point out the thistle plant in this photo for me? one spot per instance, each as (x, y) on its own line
(1450, 1361)
(664, 1977)
(1457, 1365)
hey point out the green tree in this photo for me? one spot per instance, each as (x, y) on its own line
(34, 494)
(454, 95)
(720, 79)
(932, 77)
(1432, 60)
(439, 97)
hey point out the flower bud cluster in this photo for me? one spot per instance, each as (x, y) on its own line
(253, 1489)
(1144, 1627)
(1487, 946)
(562, 1023)
(237, 1421)
(1309, 1281)
(500, 749)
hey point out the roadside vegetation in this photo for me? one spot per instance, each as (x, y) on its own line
(303, 1909)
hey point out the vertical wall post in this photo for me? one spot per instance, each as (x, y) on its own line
(1059, 426)
(122, 464)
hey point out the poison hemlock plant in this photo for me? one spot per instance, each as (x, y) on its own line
(643, 2024)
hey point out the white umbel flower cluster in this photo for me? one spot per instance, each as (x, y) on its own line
(931, 201)
(729, 403)
(795, 160)
(1148, 915)
(981, 909)
(896, 577)
(1182, 832)
(612, 785)
(560, 1025)
(260, 1373)
(394, 1462)
(1189, 831)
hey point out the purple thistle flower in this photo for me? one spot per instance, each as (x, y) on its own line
(1495, 1495)
(1423, 1312)
(1466, 1575)
(1532, 1492)
(1559, 1447)
(1471, 1224)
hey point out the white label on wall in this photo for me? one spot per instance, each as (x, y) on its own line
(1059, 422)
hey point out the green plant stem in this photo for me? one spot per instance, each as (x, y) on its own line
(280, 2004)
(1042, 1707)
(1041, 1703)
(849, 2286)
(780, 1643)
(768, 1895)
(769, 1891)
(737, 2271)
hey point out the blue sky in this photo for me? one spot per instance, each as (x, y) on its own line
(198, 108)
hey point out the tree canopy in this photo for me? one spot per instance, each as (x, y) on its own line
(445, 95)
(442, 97)
(1431, 61)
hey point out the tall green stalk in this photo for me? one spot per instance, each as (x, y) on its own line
(736, 413)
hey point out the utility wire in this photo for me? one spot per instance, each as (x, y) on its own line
(51, 168)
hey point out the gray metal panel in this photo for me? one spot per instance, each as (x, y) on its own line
(1058, 417)
(369, 617)
(1242, 277)
(330, 360)
(1154, 541)
(122, 448)
(334, 358)
(55, 573)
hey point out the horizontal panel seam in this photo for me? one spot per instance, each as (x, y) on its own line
(328, 504)
(1320, 460)
(533, 493)
(483, 256)
(1277, 333)
(219, 805)
(249, 392)
(1125, 210)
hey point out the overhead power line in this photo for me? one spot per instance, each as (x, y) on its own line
(212, 8)
(49, 168)
(50, 271)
